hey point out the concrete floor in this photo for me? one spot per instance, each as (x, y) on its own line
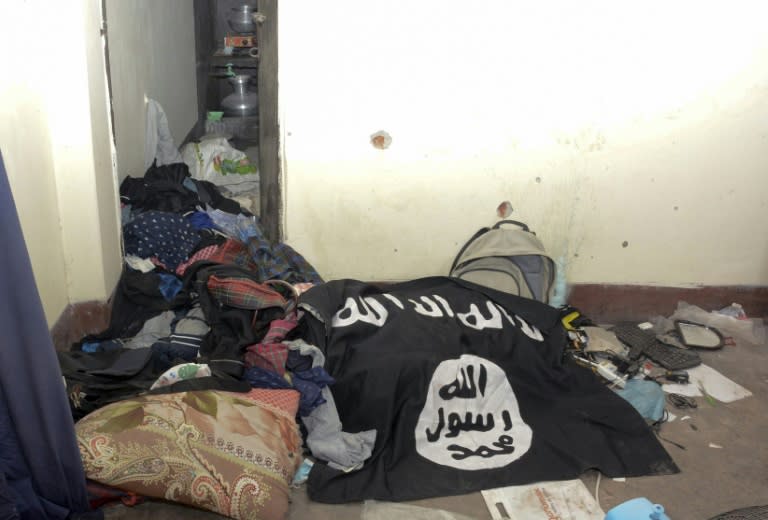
(712, 480)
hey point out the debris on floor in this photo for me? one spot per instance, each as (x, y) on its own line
(568, 499)
(705, 379)
(748, 331)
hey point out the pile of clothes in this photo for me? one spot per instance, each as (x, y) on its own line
(205, 301)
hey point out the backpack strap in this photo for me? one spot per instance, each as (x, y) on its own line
(477, 235)
(515, 222)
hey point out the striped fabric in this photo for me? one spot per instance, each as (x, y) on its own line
(189, 330)
(186, 340)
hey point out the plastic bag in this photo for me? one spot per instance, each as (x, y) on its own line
(734, 310)
(748, 331)
(215, 160)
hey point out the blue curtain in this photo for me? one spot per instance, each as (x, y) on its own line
(41, 475)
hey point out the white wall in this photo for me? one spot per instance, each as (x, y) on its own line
(55, 140)
(26, 148)
(602, 122)
(151, 54)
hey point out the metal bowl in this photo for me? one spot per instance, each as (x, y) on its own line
(241, 20)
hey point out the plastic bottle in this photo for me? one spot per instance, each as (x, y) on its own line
(734, 310)
(637, 509)
(560, 294)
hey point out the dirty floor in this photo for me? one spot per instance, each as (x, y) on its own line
(712, 480)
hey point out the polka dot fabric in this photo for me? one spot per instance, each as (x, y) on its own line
(167, 236)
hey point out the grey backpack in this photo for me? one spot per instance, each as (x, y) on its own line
(508, 259)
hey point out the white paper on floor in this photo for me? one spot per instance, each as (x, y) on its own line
(713, 382)
(566, 500)
(375, 510)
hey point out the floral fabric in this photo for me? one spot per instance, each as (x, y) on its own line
(234, 454)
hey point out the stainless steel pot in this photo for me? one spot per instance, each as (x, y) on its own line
(241, 20)
(241, 102)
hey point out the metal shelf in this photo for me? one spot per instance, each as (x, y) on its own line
(235, 59)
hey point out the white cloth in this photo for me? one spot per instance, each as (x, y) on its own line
(158, 141)
(144, 265)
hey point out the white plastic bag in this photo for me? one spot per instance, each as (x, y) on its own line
(216, 161)
(748, 331)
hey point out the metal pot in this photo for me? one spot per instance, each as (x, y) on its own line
(241, 20)
(242, 102)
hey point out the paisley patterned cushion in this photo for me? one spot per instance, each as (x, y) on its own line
(234, 454)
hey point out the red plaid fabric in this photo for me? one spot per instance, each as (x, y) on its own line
(234, 252)
(244, 293)
(279, 329)
(270, 354)
(230, 252)
(267, 356)
(204, 254)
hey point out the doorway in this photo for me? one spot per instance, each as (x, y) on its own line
(157, 49)
(211, 27)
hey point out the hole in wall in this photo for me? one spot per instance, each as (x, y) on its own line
(381, 140)
(504, 209)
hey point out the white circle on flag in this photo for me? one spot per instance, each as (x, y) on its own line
(471, 419)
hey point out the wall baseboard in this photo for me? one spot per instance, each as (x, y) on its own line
(78, 320)
(607, 303)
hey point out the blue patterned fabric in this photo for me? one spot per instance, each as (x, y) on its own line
(169, 286)
(166, 354)
(310, 384)
(261, 378)
(168, 236)
(200, 220)
(281, 262)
